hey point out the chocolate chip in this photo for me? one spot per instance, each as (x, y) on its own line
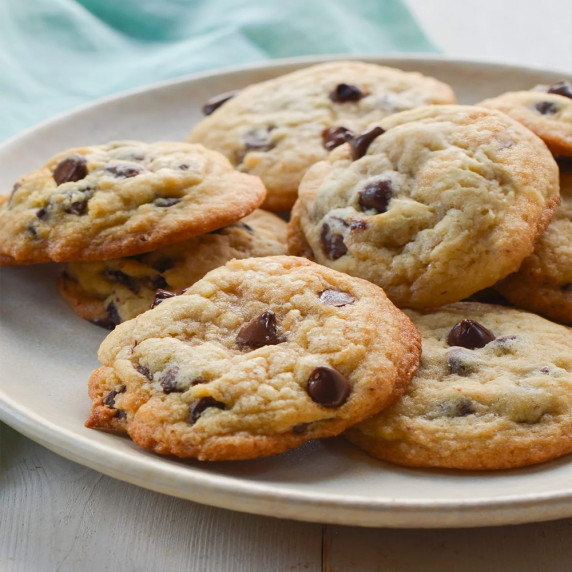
(460, 361)
(360, 144)
(376, 195)
(344, 92)
(113, 317)
(332, 242)
(119, 277)
(121, 414)
(109, 399)
(162, 295)
(72, 169)
(144, 371)
(169, 380)
(124, 170)
(333, 137)
(566, 287)
(32, 231)
(458, 408)
(42, 213)
(561, 88)
(546, 107)
(300, 429)
(260, 331)
(215, 102)
(328, 387)
(158, 282)
(336, 298)
(358, 224)
(166, 201)
(259, 140)
(197, 408)
(163, 264)
(469, 334)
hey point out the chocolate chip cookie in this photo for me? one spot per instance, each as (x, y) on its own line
(121, 199)
(276, 129)
(546, 110)
(112, 291)
(493, 391)
(432, 204)
(543, 283)
(257, 357)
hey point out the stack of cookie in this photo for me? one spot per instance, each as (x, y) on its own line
(402, 204)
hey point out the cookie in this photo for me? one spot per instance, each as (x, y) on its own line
(121, 199)
(112, 291)
(432, 204)
(543, 283)
(493, 391)
(257, 357)
(547, 111)
(277, 128)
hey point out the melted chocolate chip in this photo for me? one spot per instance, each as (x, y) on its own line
(162, 264)
(458, 408)
(376, 195)
(561, 88)
(259, 140)
(344, 92)
(333, 137)
(121, 414)
(124, 170)
(546, 107)
(333, 243)
(459, 361)
(158, 282)
(109, 399)
(113, 317)
(336, 298)
(32, 231)
(197, 408)
(144, 371)
(42, 213)
(260, 331)
(360, 144)
(328, 387)
(162, 295)
(358, 224)
(72, 169)
(169, 380)
(166, 201)
(566, 287)
(119, 277)
(215, 102)
(300, 429)
(469, 334)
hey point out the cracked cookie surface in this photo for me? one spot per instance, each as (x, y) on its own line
(120, 199)
(546, 110)
(493, 391)
(276, 129)
(431, 204)
(543, 283)
(112, 291)
(259, 356)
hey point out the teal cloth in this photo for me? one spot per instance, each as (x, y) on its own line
(58, 54)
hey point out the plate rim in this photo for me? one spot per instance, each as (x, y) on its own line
(233, 492)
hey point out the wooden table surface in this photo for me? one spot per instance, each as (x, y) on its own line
(56, 515)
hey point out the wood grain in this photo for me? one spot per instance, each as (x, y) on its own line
(56, 515)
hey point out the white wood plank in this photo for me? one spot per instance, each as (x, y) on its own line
(57, 515)
(526, 548)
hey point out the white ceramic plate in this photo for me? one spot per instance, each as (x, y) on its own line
(47, 354)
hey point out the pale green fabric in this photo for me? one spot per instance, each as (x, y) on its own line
(58, 54)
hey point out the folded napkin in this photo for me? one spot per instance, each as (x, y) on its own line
(57, 54)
